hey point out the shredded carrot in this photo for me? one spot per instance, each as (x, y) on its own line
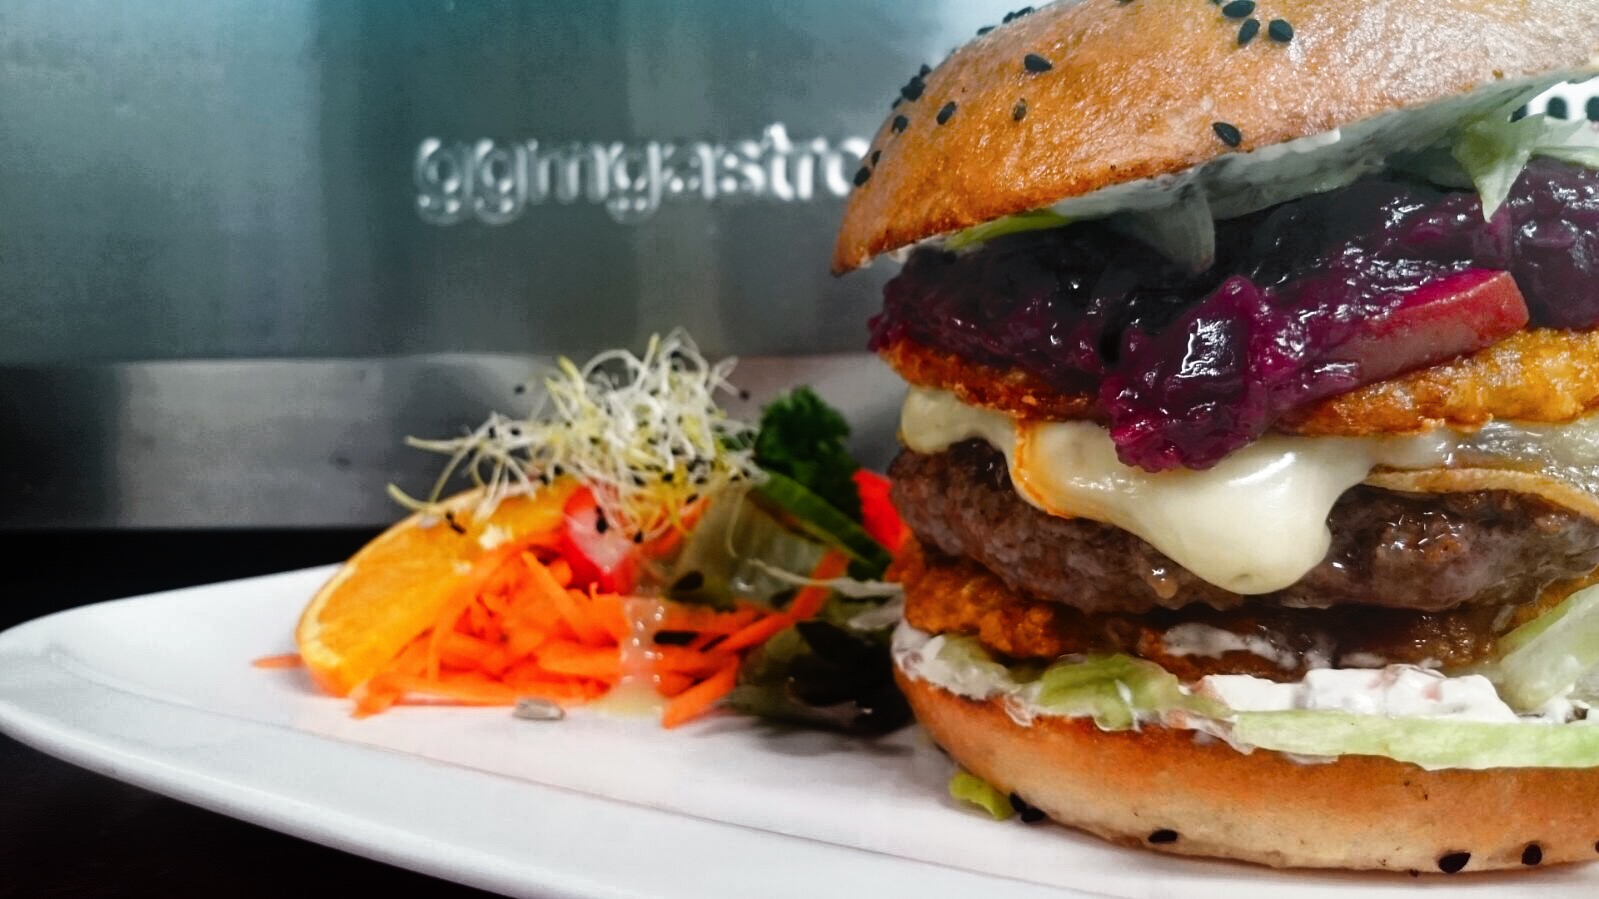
(287, 660)
(516, 626)
(576, 660)
(700, 698)
(759, 632)
(810, 599)
(467, 689)
(669, 684)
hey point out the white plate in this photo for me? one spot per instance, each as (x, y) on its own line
(159, 691)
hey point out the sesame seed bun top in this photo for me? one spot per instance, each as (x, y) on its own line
(1078, 96)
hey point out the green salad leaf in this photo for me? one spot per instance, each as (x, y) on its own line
(803, 439)
(1494, 151)
(1431, 743)
(1548, 655)
(1036, 220)
(973, 790)
(1115, 691)
(826, 672)
(825, 522)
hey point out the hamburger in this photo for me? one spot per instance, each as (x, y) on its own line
(1249, 448)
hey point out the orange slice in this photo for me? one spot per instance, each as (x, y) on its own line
(394, 588)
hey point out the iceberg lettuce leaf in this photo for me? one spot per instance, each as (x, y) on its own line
(1494, 151)
(1037, 220)
(971, 789)
(1431, 743)
(1547, 656)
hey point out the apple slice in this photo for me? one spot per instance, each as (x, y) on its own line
(1442, 319)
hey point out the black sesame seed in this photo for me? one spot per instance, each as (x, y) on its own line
(984, 30)
(1239, 9)
(1280, 31)
(925, 70)
(913, 89)
(1532, 855)
(1019, 111)
(638, 536)
(1030, 815)
(862, 175)
(692, 580)
(674, 638)
(558, 471)
(454, 525)
(1163, 836)
(1032, 62)
(1453, 862)
(520, 388)
(948, 112)
(1248, 31)
(744, 395)
(1229, 134)
(900, 123)
(876, 155)
(667, 478)
(601, 525)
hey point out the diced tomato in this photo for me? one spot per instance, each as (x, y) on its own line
(598, 553)
(878, 514)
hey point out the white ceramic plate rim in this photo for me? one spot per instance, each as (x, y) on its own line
(467, 796)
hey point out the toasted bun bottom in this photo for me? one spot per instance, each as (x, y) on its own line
(1162, 789)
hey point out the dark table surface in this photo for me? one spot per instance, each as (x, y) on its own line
(66, 832)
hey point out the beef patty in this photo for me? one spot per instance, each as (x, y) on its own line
(944, 594)
(1429, 552)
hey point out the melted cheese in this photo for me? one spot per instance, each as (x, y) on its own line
(1256, 522)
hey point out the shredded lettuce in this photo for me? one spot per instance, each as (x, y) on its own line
(822, 521)
(970, 788)
(1037, 220)
(1546, 657)
(1495, 150)
(1118, 692)
(1428, 742)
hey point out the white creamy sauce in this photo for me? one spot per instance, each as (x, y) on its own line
(1254, 523)
(1397, 691)
(1194, 639)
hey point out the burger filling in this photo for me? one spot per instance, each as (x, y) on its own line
(1410, 714)
(1428, 553)
(1134, 535)
(1303, 301)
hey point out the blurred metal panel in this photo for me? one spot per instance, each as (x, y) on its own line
(249, 245)
(238, 178)
(302, 443)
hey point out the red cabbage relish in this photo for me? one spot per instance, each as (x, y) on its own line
(1306, 300)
